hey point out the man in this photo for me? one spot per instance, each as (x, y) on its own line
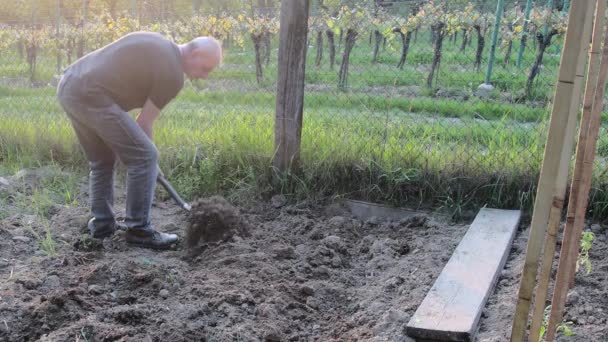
(141, 70)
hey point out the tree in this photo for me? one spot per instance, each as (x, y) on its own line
(441, 22)
(480, 22)
(329, 10)
(258, 27)
(351, 20)
(383, 25)
(404, 27)
(512, 28)
(33, 39)
(318, 25)
(557, 24)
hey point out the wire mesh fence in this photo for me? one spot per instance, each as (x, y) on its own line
(381, 127)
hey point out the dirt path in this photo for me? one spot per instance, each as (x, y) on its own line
(305, 273)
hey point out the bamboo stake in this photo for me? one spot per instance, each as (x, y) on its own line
(540, 295)
(580, 11)
(571, 243)
(555, 215)
(588, 149)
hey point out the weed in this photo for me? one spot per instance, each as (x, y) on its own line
(563, 327)
(45, 240)
(583, 257)
(47, 244)
(171, 277)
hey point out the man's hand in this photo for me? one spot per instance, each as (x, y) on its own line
(146, 118)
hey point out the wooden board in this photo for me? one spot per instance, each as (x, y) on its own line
(451, 309)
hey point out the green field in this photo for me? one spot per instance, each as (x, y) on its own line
(387, 138)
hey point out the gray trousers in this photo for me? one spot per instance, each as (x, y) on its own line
(108, 134)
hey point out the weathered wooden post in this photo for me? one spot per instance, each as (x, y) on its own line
(290, 84)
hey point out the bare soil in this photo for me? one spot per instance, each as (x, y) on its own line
(295, 272)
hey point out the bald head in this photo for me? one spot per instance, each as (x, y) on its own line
(200, 56)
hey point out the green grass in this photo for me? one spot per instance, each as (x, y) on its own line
(384, 139)
(213, 142)
(40, 200)
(368, 146)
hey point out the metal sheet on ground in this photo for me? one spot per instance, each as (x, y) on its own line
(365, 210)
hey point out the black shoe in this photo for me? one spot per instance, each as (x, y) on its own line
(101, 231)
(150, 239)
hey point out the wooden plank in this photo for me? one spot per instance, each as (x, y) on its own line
(290, 84)
(580, 11)
(451, 309)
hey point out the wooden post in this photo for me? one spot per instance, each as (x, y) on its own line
(290, 84)
(547, 195)
(575, 219)
(555, 215)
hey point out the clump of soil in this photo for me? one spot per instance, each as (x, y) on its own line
(213, 219)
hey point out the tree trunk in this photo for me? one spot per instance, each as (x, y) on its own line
(351, 37)
(80, 49)
(332, 48)
(507, 58)
(20, 48)
(32, 56)
(508, 53)
(405, 44)
(543, 43)
(319, 48)
(377, 46)
(257, 45)
(465, 38)
(267, 47)
(415, 35)
(481, 42)
(438, 29)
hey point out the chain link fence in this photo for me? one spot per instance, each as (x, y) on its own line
(380, 134)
